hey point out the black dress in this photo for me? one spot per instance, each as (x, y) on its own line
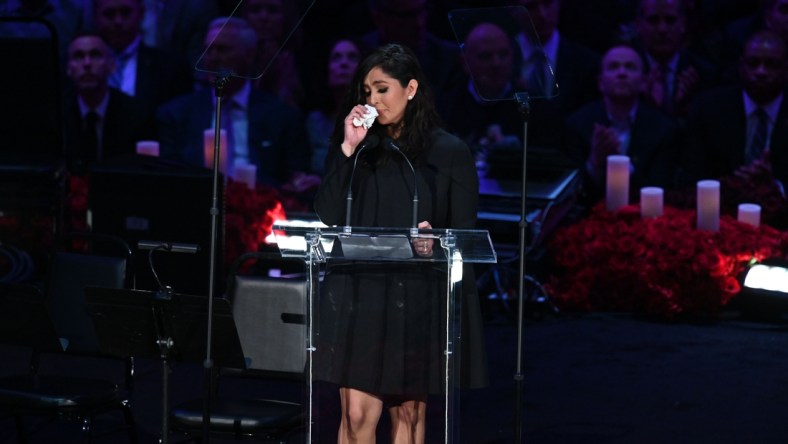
(380, 328)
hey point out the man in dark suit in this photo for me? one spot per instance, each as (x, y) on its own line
(675, 75)
(481, 110)
(262, 130)
(150, 74)
(574, 65)
(621, 123)
(743, 129)
(100, 122)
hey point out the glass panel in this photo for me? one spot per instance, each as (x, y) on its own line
(318, 246)
(248, 50)
(475, 246)
(503, 54)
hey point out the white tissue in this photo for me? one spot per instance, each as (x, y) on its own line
(368, 118)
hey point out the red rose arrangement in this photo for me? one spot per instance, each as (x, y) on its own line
(618, 261)
(249, 217)
(759, 189)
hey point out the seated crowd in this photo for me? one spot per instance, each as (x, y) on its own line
(687, 89)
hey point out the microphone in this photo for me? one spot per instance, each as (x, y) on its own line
(370, 140)
(393, 146)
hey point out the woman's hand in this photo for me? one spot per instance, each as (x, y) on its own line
(353, 134)
(423, 246)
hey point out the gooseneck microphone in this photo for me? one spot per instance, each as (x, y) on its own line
(393, 146)
(370, 140)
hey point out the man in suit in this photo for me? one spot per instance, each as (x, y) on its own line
(743, 129)
(100, 122)
(152, 75)
(262, 130)
(574, 65)
(481, 110)
(675, 75)
(621, 123)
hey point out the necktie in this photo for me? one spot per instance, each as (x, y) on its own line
(657, 89)
(667, 86)
(759, 136)
(91, 148)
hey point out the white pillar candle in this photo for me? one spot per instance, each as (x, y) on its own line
(617, 182)
(148, 148)
(246, 173)
(750, 214)
(651, 202)
(708, 205)
(208, 148)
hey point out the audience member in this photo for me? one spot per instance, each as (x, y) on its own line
(743, 129)
(481, 110)
(548, 55)
(273, 21)
(149, 74)
(405, 22)
(342, 59)
(675, 74)
(262, 130)
(620, 123)
(100, 122)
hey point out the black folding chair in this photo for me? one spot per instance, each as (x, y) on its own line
(269, 317)
(68, 376)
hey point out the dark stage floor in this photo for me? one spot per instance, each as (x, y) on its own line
(598, 378)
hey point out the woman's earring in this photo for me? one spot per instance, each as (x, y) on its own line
(410, 97)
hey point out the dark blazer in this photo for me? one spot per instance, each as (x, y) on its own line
(469, 120)
(707, 73)
(576, 73)
(125, 123)
(161, 76)
(718, 136)
(278, 142)
(652, 147)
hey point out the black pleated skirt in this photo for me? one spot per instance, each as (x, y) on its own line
(381, 329)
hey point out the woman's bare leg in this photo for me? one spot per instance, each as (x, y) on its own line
(360, 414)
(408, 422)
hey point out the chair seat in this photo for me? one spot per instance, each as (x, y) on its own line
(239, 416)
(41, 392)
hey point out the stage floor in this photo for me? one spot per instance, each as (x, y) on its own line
(596, 378)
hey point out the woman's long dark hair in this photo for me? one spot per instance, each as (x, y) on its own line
(421, 117)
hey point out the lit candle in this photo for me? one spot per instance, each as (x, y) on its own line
(750, 214)
(148, 148)
(617, 182)
(651, 199)
(208, 148)
(708, 205)
(246, 173)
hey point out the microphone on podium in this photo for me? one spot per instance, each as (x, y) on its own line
(370, 140)
(414, 230)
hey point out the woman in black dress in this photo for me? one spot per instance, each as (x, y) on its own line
(380, 335)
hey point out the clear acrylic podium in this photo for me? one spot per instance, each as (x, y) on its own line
(454, 247)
